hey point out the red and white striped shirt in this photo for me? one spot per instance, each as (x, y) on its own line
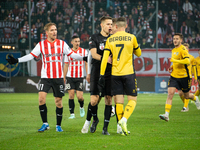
(52, 57)
(76, 67)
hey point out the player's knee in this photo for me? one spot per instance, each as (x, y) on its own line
(80, 98)
(42, 100)
(93, 103)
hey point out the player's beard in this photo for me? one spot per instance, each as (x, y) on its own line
(178, 43)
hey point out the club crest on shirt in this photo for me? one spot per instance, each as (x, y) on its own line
(176, 53)
(101, 46)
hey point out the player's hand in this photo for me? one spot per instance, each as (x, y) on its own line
(101, 85)
(88, 78)
(170, 69)
(11, 60)
(85, 58)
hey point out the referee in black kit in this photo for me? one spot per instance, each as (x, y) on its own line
(96, 46)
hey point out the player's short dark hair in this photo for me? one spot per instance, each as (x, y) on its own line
(104, 18)
(122, 19)
(179, 34)
(75, 36)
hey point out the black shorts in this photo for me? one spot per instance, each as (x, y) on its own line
(74, 83)
(183, 84)
(122, 85)
(56, 84)
(94, 78)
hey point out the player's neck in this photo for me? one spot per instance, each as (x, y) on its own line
(104, 33)
(178, 46)
(51, 40)
(74, 48)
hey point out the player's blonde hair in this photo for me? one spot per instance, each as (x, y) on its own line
(121, 22)
(46, 27)
(186, 44)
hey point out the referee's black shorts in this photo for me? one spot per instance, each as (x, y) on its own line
(94, 78)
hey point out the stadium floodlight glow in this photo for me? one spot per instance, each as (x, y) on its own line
(3, 46)
(6, 47)
(9, 47)
(13, 48)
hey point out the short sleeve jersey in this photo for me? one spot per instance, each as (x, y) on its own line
(197, 60)
(180, 70)
(98, 41)
(52, 57)
(122, 46)
(76, 67)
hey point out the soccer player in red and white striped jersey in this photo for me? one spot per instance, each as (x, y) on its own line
(74, 73)
(52, 51)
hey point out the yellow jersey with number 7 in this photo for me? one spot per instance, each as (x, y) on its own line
(122, 46)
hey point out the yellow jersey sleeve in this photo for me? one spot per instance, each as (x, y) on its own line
(104, 61)
(136, 49)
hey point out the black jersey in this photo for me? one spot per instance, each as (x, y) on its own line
(98, 41)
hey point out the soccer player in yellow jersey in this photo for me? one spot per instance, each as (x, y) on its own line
(192, 69)
(180, 77)
(122, 46)
(198, 73)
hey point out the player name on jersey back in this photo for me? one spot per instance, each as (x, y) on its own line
(120, 38)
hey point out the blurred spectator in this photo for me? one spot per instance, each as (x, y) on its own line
(111, 11)
(144, 44)
(198, 39)
(187, 6)
(16, 10)
(163, 6)
(59, 17)
(193, 44)
(26, 28)
(181, 17)
(61, 30)
(34, 37)
(130, 24)
(198, 27)
(140, 19)
(85, 36)
(190, 23)
(67, 36)
(189, 39)
(100, 13)
(169, 41)
(174, 18)
(67, 21)
(76, 21)
(173, 5)
(166, 20)
(48, 17)
(184, 30)
(25, 9)
(40, 6)
(116, 4)
(69, 10)
(38, 23)
(53, 13)
(23, 42)
(2, 14)
(139, 7)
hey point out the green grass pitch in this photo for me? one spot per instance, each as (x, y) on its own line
(20, 120)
